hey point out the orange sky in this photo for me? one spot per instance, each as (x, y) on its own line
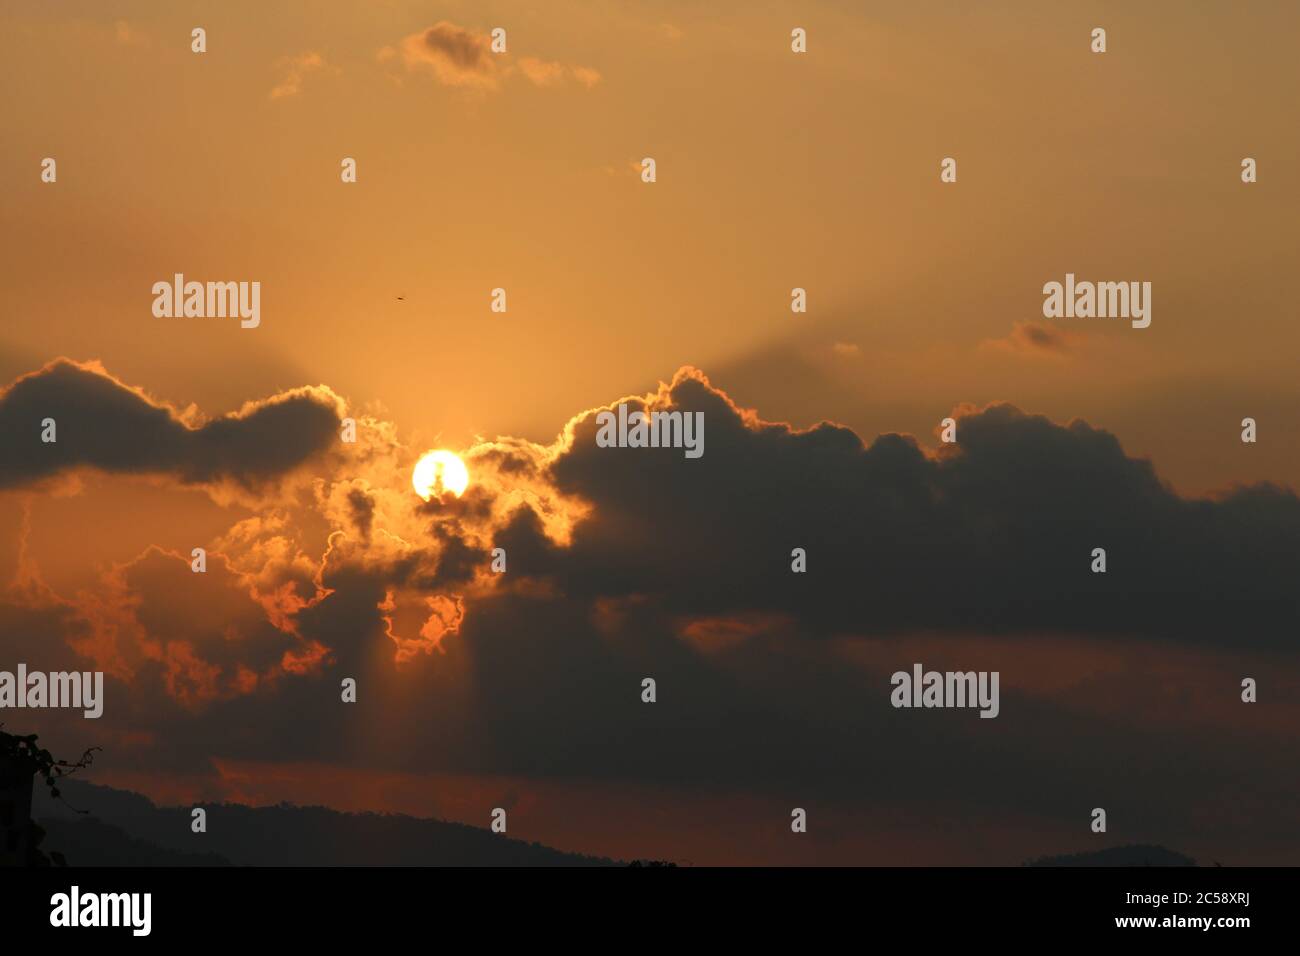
(774, 171)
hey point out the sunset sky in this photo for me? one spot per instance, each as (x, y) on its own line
(774, 171)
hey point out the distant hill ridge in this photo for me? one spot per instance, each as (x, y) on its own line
(282, 835)
(1138, 854)
(124, 828)
(89, 841)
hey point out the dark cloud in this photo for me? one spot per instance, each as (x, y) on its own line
(994, 534)
(102, 423)
(467, 51)
(362, 507)
(771, 682)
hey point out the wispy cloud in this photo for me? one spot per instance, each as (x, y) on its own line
(1036, 340)
(295, 69)
(458, 57)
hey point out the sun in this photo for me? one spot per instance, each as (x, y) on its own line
(439, 471)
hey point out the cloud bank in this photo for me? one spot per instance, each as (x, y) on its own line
(625, 563)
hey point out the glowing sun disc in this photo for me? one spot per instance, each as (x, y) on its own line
(439, 471)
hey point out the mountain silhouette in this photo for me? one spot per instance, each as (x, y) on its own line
(1131, 855)
(281, 835)
(124, 828)
(87, 841)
